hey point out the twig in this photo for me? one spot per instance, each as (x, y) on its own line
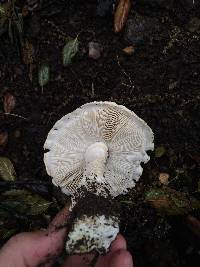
(14, 115)
(131, 83)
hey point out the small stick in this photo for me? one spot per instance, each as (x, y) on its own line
(15, 115)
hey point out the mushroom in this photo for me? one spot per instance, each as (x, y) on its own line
(94, 154)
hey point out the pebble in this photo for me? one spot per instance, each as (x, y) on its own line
(164, 178)
(95, 50)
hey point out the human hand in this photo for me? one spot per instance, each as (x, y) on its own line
(42, 247)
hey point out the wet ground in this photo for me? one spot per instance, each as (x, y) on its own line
(159, 81)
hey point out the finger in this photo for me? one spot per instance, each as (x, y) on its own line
(118, 243)
(121, 258)
(32, 249)
(79, 260)
(118, 258)
(60, 219)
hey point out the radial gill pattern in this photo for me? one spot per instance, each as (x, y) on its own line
(126, 135)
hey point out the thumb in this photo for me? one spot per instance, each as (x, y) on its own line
(32, 249)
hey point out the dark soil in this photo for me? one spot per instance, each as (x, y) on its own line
(160, 82)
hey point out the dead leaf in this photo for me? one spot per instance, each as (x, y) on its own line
(9, 102)
(129, 50)
(7, 171)
(195, 157)
(3, 138)
(171, 202)
(25, 11)
(164, 178)
(121, 14)
(24, 202)
(194, 224)
(28, 54)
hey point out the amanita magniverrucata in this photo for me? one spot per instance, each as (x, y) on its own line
(96, 149)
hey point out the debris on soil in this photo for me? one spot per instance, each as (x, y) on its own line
(164, 178)
(95, 50)
(8, 102)
(160, 151)
(121, 14)
(43, 75)
(194, 224)
(32, 5)
(171, 202)
(194, 25)
(142, 28)
(70, 50)
(28, 56)
(129, 50)
(3, 137)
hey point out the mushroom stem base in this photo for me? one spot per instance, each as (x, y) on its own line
(93, 233)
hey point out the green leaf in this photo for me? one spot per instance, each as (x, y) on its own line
(160, 151)
(38, 205)
(7, 171)
(7, 233)
(2, 10)
(43, 75)
(70, 50)
(23, 202)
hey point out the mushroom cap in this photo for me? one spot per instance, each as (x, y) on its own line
(126, 136)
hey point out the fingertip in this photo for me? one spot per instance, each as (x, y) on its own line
(118, 243)
(60, 219)
(121, 258)
(78, 260)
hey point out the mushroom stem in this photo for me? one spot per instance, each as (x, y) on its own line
(95, 160)
(91, 233)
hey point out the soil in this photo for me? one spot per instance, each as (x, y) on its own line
(160, 82)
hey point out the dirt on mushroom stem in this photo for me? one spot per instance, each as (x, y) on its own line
(93, 213)
(91, 204)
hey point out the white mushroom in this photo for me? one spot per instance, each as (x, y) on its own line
(124, 136)
(99, 148)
